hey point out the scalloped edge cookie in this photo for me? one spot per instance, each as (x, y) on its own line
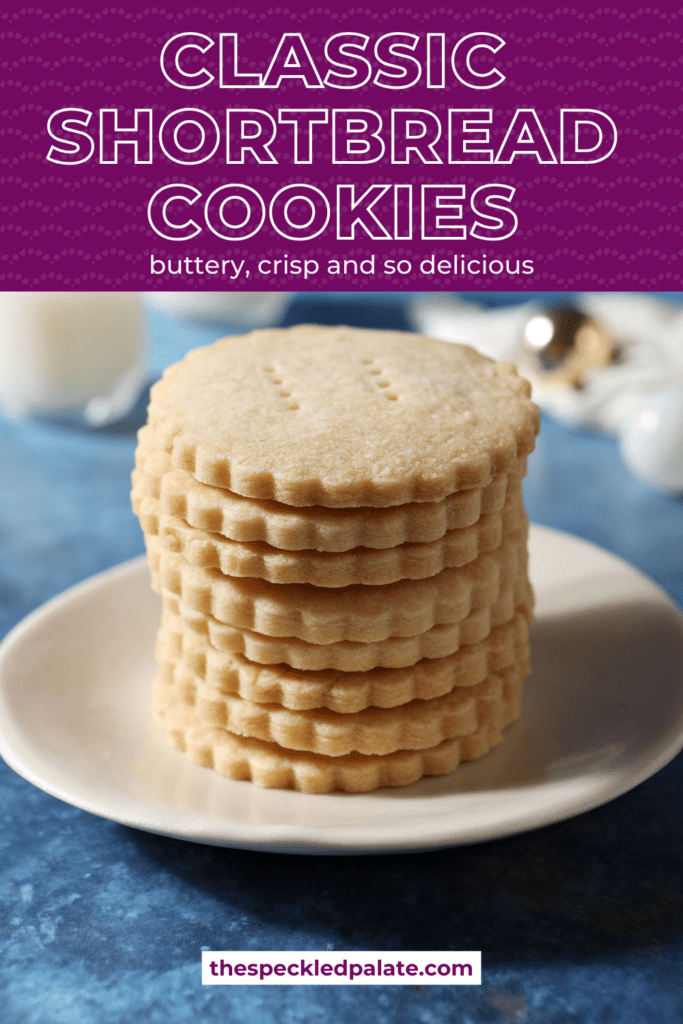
(340, 692)
(316, 528)
(218, 638)
(417, 725)
(272, 767)
(341, 417)
(358, 612)
(330, 569)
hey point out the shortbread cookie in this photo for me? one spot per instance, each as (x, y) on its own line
(341, 417)
(358, 612)
(273, 767)
(330, 569)
(343, 692)
(198, 632)
(414, 726)
(249, 520)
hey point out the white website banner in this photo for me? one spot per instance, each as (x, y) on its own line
(270, 967)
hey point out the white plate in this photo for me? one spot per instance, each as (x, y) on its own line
(603, 711)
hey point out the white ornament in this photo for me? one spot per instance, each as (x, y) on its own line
(651, 439)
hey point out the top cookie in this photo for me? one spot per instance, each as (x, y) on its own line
(341, 417)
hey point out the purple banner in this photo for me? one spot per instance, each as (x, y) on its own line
(306, 148)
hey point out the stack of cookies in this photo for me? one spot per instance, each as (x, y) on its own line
(334, 520)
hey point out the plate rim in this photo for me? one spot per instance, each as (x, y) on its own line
(298, 838)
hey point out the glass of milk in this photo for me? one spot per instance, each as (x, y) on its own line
(75, 356)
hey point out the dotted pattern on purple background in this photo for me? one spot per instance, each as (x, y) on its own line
(613, 225)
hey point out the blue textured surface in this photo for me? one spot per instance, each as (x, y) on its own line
(578, 922)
